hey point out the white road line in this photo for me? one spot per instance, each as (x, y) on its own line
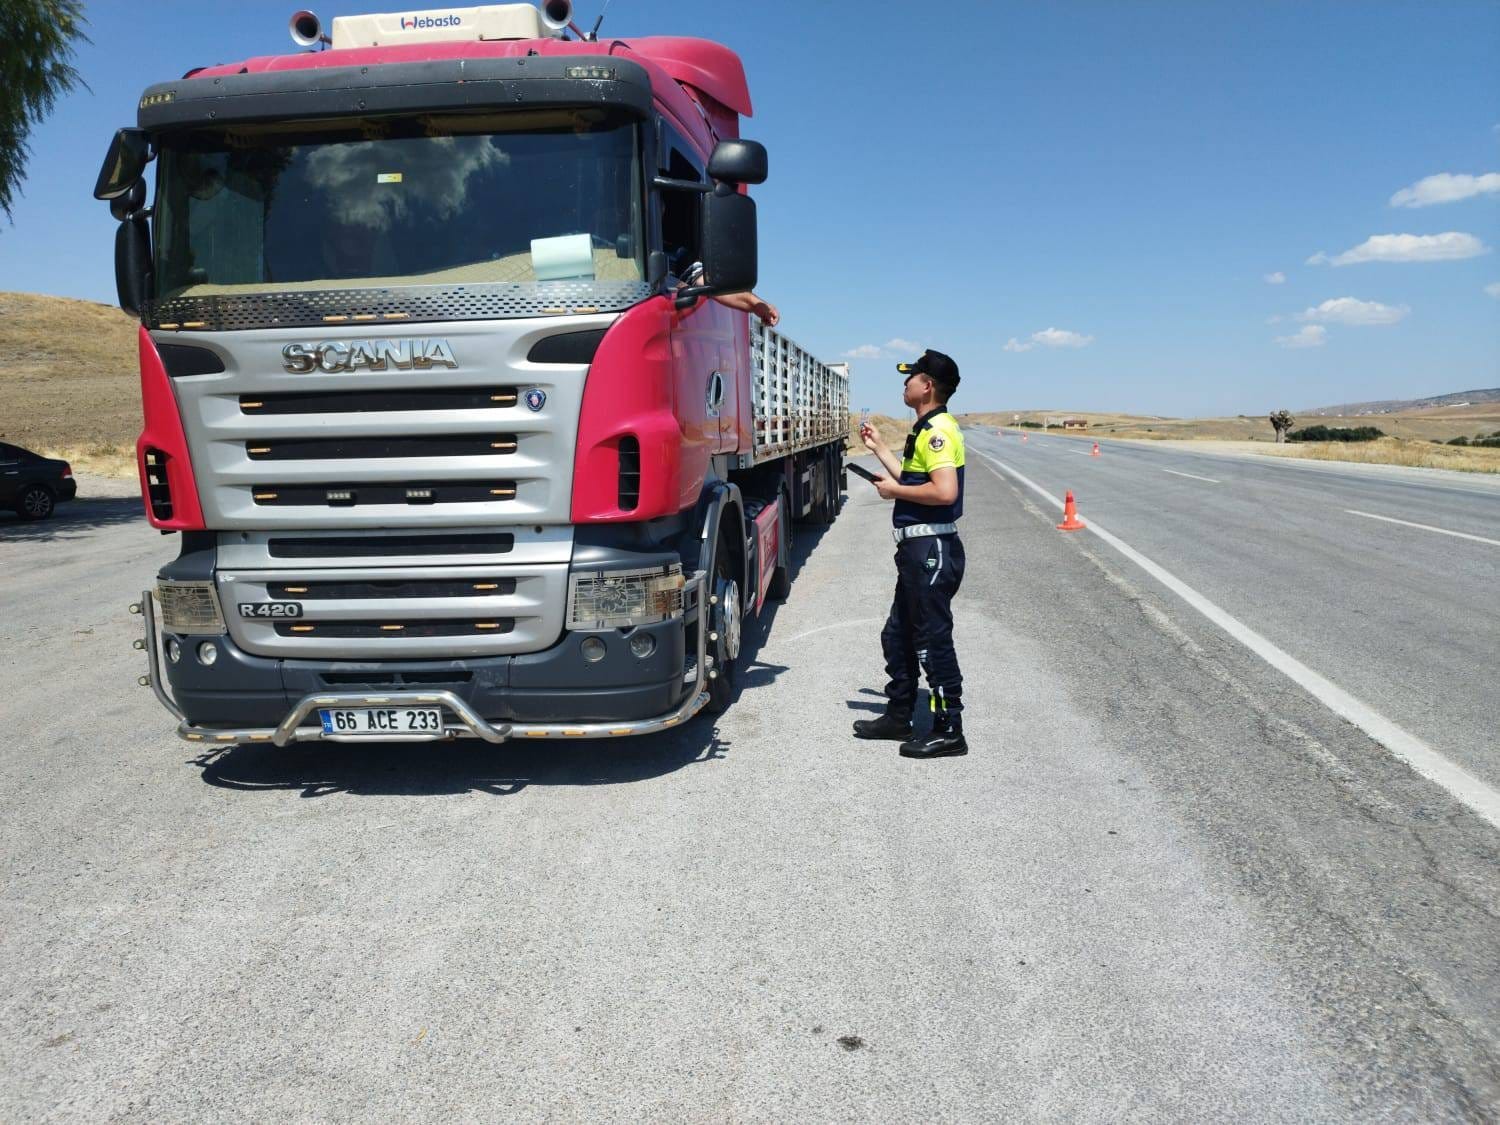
(836, 625)
(1464, 786)
(1425, 527)
(1195, 476)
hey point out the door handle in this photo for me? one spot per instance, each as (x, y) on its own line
(715, 393)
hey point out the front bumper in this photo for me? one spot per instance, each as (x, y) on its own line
(499, 698)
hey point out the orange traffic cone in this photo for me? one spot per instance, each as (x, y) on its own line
(1070, 522)
(1023, 437)
(1096, 450)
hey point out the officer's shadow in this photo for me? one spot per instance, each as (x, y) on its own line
(866, 705)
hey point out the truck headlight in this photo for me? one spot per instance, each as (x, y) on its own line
(611, 599)
(189, 607)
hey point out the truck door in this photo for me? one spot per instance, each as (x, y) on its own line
(705, 338)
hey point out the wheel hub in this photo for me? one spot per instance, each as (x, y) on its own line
(728, 619)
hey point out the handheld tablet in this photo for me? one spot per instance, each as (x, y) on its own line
(860, 471)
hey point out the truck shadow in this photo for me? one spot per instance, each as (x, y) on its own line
(437, 769)
(72, 520)
(384, 769)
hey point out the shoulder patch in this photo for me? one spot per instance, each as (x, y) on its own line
(935, 442)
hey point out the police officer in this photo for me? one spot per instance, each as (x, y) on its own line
(929, 496)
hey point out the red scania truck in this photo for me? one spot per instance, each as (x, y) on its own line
(437, 394)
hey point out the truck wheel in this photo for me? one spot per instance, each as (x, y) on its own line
(781, 578)
(828, 501)
(728, 624)
(35, 503)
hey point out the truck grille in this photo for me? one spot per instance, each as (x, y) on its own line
(385, 629)
(396, 595)
(387, 546)
(377, 402)
(319, 449)
(481, 586)
(353, 494)
(489, 440)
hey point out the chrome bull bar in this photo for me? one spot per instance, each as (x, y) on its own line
(462, 720)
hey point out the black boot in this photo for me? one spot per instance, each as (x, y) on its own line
(889, 728)
(945, 741)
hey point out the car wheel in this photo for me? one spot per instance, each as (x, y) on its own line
(35, 503)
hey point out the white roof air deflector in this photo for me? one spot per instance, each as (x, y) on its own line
(439, 25)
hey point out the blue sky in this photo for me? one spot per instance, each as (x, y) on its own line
(1080, 202)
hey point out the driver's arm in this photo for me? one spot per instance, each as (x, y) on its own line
(750, 303)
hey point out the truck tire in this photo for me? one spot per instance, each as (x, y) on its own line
(35, 502)
(781, 578)
(827, 504)
(727, 622)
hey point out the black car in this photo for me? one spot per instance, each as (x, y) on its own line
(31, 484)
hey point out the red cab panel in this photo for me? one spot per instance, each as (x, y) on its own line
(630, 392)
(164, 437)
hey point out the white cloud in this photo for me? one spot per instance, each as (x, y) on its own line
(1448, 246)
(1446, 187)
(1277, 278)
(896, 348)
(1493, 289)
(1310, 336)
(1351, 310)
(1049, 338)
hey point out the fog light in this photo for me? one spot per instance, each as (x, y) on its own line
(174, 650)
(593, 650)
(642, 645)
(208, 652)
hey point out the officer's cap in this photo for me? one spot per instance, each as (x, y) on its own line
(936, 366)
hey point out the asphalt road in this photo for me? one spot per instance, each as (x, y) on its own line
(1386, 582)
(1167, 884)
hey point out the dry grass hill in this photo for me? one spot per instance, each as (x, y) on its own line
(68, 380)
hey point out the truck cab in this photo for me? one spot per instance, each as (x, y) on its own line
(436, 391)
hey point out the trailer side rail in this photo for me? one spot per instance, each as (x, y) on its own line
(800, 402)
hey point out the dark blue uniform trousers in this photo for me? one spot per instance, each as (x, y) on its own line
(918, 635)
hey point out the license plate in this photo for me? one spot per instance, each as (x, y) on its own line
(376, 721)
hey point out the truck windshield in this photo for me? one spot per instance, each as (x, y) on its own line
(519, 202)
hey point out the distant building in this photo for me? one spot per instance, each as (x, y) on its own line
(1075, 423)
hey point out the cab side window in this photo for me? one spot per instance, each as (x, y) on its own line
(679, 209)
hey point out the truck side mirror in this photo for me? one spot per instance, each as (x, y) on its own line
(129, 201)
(728, 241)
(739, 162)
(133, 264)
(128, 155)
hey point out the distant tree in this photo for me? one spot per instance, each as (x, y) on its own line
(1281, 422)
(36, 67)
